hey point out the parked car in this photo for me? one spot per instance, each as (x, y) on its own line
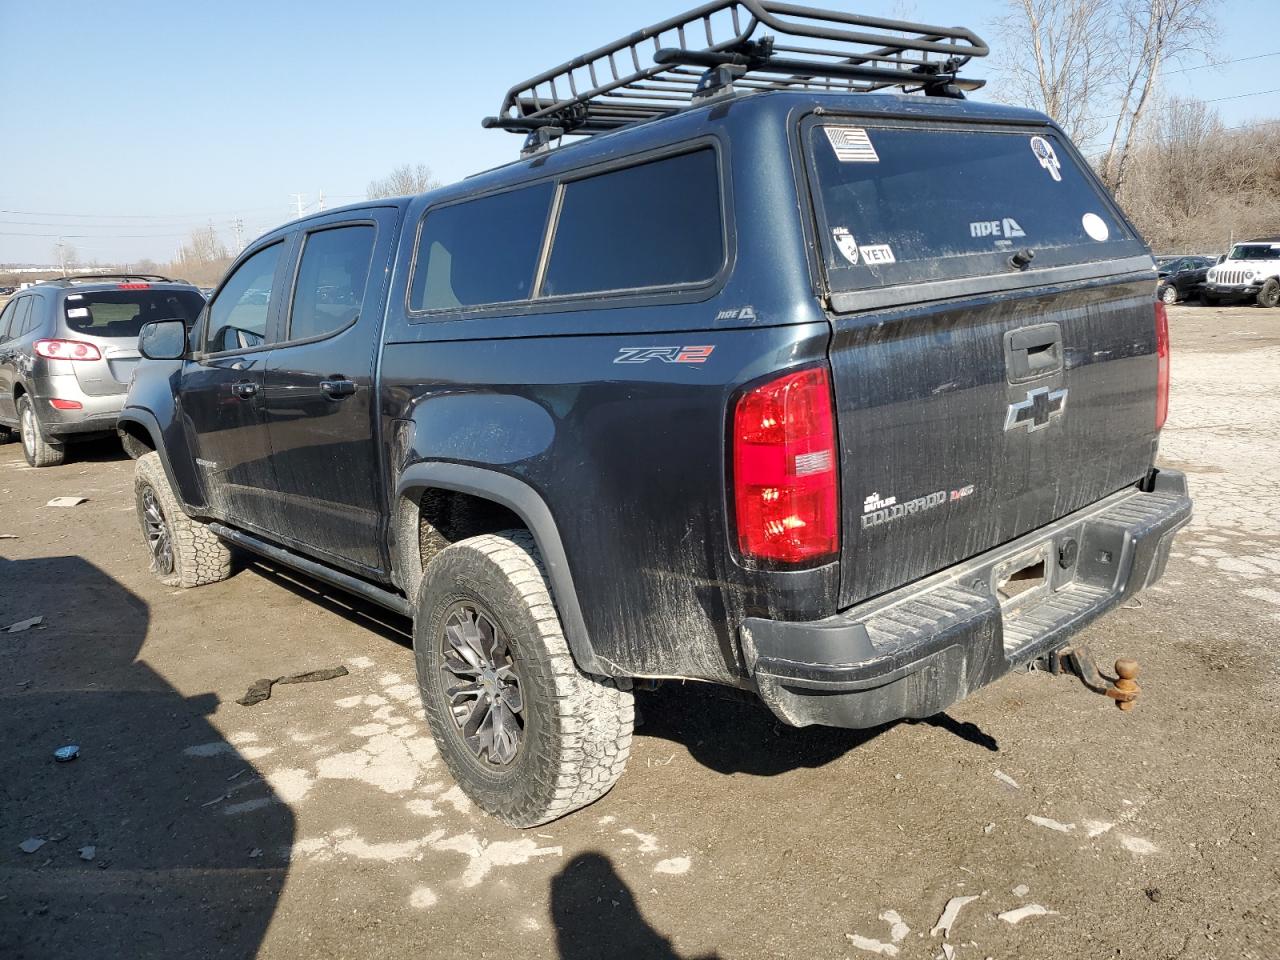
(67, 350)
(849, 400)
(1251, 271)
(1181, 278)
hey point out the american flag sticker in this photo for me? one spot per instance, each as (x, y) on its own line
(852, 145)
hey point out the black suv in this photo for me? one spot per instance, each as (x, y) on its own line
(849, 399)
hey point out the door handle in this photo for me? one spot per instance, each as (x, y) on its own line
(337, 388)
(1033, 352)
(245, 389)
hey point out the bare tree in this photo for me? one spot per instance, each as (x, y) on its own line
(1058, 57)
(66, 255)
(404, 180)
(1150, 33)
(204, 246)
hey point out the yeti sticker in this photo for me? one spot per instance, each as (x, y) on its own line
(845, 243)
(1044, 152)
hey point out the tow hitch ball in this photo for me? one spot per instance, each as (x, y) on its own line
(1079, 662)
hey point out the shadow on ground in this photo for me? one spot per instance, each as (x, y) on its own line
(596, 916)
(169, 876)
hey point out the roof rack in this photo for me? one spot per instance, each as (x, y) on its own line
(92, 277)
(809, 49)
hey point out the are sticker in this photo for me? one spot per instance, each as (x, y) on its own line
(1047, 156)
(74, 312)
(852, 145)
(878, 253)
(1095, 227)
(845, 243)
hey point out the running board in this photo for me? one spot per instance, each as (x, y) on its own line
(335, 578)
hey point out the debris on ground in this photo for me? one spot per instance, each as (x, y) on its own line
(1022, 913)
(1021, 890)
(860, 942)
(989, 828)
(88, 853)
(9, 536)
(24, 625)
(31, 845)
(260, 690)
(1005, 778)
(67, 754)
(67, 501)
(1051, 824)
(897, 928)
(950, 913)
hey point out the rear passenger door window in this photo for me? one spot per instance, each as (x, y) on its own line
(6, 321)
(238, 315)
(657, 224)
(332, 277)
(22, 321)
(482, 251)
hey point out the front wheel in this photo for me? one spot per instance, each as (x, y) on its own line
(184, 552)
(1168, 294)
(1269, 295)
(526, 734)
(39, 450)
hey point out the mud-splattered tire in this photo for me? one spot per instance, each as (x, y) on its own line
(575, 729)
(39, 450)
(194, 555)
(1168, 294)
(1269, 295)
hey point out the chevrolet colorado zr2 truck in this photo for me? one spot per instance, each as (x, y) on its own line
(775, 379)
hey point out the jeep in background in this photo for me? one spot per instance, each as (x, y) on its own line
(778, 380)
(1251, 271)
(68, 348)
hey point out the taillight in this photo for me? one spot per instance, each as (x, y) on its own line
(133, 286)
(784, 470)
(1162, 364)
(59, 404)
(67, 350)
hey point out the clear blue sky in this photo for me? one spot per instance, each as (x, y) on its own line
(157, 117)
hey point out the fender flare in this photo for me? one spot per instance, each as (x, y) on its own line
(520, 498)
(148, 422)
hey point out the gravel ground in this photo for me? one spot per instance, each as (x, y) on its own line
(321, 823)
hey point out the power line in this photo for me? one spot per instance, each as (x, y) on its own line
(1223, 63)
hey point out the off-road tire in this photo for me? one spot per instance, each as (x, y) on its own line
(577, 727)
(1269, 295)
(39, 450)
(199, 557)
(1168, 294)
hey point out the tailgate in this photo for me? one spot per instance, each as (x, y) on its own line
(943, 457)
(993, 350)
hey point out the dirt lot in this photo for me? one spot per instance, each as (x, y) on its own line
(322, 824)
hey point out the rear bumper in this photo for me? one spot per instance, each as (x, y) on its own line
(96, 414)
(918, 650)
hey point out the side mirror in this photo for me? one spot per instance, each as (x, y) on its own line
(1222, 258)
(163, 340)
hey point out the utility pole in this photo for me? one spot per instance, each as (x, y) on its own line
(239, 228)
(321, 204)
(297, 199)
(62, 254)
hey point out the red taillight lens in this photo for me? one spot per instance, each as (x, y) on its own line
(1162, 364)
(66, 404)
(133, 286)
(784, 470)
(67, 350)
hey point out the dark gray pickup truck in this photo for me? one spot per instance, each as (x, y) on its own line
(777, 379)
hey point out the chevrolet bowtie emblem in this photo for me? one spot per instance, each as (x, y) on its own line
(1035, 412)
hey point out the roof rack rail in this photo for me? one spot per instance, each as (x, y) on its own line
(810, 49)
(91, 277)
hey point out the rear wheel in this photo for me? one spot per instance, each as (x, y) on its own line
(184, 552)
(1269, 295)
(1168, 294)
(39, 450)
(525, 733)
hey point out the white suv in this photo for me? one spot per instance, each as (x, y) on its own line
(1251, 270)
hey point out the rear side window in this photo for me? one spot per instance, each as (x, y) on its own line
(331, 280)
(903, 204)
(658, 224)
(22, 322)
(120, 314)
(6, 320)
(238, 315)
(480, 251)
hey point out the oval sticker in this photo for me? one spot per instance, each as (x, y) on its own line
(1095, 227)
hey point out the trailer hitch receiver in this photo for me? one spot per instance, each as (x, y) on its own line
(1078, 661)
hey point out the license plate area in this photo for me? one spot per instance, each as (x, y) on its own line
(1022, 580)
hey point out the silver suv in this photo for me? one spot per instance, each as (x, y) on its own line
(67, 351)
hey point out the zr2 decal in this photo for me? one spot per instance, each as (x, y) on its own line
(663, 354)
